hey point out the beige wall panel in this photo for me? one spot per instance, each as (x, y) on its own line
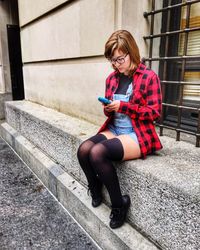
(29, 10)
(56, 36)
(69, 88)
(133, 21)
(2, 85)
(5, 61)
(97, 24)
(78, 30)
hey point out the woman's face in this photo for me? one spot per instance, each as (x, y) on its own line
(121, 61)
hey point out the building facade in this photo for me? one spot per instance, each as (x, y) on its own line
(52, 67)
(62, 54)
(62, 50)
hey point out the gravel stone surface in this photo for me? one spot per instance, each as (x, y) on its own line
(30, 218)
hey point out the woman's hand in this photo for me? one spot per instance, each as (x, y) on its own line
(114, 106)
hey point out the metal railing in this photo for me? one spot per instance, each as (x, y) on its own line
(182, 59)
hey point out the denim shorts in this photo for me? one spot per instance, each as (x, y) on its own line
(122, 124)
(123, 131)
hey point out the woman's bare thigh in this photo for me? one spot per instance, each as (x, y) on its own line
(131, 148)
(108, 134)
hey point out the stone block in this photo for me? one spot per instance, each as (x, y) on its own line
(164, 188)
(92, 219)
(73, 197)
(49, 137)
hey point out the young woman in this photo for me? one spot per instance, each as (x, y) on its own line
(128, 132)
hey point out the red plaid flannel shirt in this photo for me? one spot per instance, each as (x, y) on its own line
(144, 106)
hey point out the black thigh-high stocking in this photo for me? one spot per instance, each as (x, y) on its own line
(83, 157)
(101, 156)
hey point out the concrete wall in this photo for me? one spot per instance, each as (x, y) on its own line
(8, 15)
(29, 10)
(63, 45)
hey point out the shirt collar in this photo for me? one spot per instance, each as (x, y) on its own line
(141, 68)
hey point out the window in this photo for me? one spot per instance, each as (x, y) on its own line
(179, 63)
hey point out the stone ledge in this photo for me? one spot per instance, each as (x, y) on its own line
(73, 196)
(164, 189)
(4, 97)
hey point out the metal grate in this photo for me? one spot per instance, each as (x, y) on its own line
(179, 106)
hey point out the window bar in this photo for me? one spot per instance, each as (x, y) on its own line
(183, 73)
(165, 65)
(180, 106)
(153, 12)
(181, 130)
(179, 82)
(198, 131)
(172, 58)
(169, 33)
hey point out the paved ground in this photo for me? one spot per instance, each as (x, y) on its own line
(30, 218)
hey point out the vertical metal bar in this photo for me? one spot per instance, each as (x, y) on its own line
(198, 131)
(151, 33)
(165, 63)
(183, 73)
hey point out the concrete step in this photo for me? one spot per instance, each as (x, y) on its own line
(73, 196)
(164, 188)
(30, 218)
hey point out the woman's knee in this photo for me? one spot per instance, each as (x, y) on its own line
(84, 149)
(97, 153)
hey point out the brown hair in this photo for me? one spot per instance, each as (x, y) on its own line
(124, 41)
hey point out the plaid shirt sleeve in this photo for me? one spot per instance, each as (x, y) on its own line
(107, 113)
(147, 105)
(107, 92)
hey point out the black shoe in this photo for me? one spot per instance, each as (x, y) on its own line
(118, 215)
(96, 194)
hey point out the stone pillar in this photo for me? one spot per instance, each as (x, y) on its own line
(8, 15)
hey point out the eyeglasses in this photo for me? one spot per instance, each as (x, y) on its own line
(120, 59)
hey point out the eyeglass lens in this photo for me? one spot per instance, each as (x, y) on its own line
(120, 60)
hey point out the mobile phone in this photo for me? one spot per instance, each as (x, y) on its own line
(105, 101)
